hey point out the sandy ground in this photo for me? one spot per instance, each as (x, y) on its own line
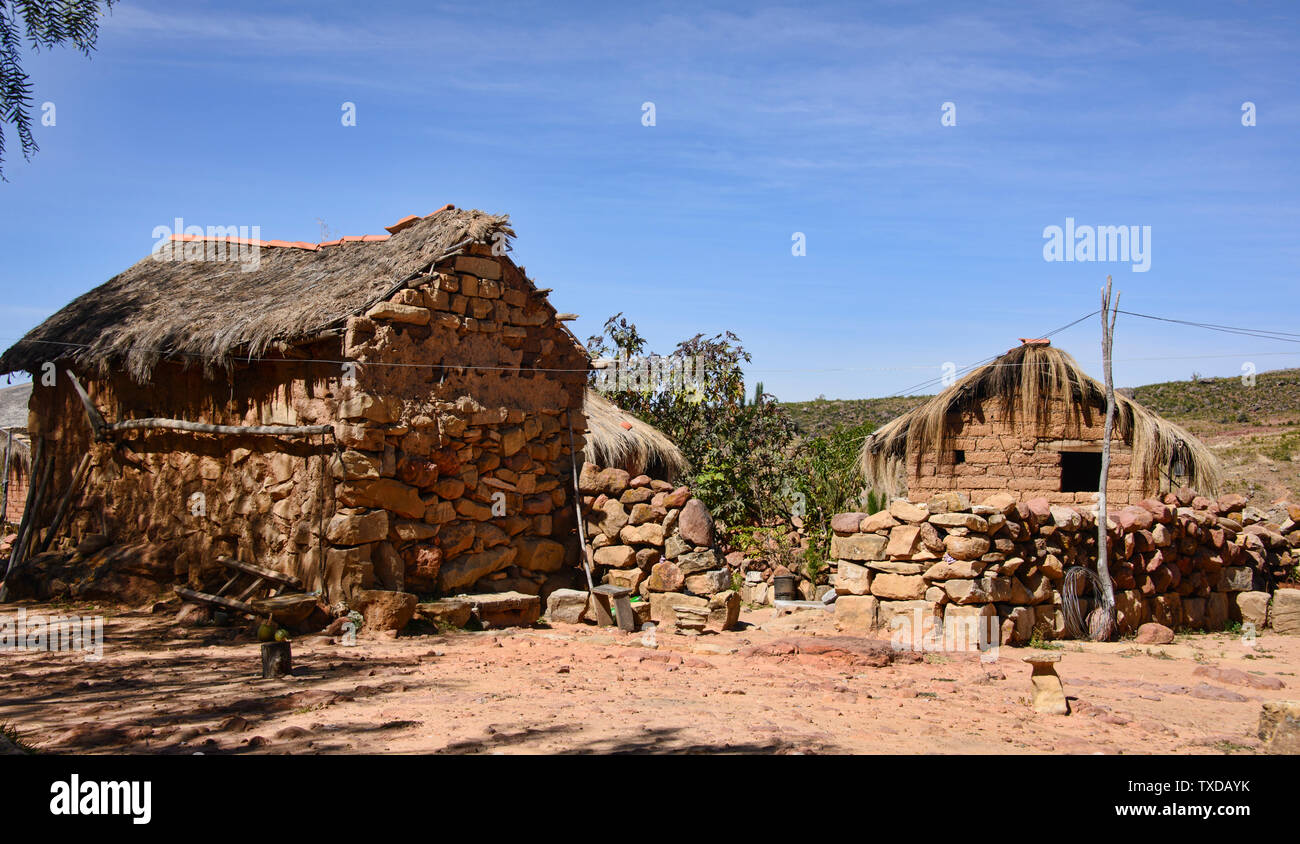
(576, 689)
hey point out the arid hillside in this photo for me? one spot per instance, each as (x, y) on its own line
(1254, 428)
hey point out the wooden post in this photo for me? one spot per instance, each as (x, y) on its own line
(1108, 315)
(25, 523)
(277, 659)
(4, 502)
(577, 510)
(74, 483)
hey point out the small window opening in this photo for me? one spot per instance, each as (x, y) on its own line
(959, 456)
(1080, 471)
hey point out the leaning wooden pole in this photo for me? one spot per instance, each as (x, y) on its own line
(24, 523)
(4, 497)
(1108, 315)
(74, 484)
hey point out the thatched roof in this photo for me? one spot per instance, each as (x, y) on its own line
(616, 439)
(1026, 381)
(211, 311)
(13, 420)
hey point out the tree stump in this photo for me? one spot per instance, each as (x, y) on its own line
(276, 659)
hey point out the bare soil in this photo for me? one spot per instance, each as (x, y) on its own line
(788, 684)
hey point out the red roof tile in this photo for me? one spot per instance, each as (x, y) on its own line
(406, 222)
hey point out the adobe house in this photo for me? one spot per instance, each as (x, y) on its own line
(1031, 423)
(391, 412)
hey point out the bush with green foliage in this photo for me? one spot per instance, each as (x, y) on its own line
(748, 462)
(739, 450)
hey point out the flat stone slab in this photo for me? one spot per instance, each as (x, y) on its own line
(453, 612)
(286, 609)
(504, 609)
(1042, 658)
(784, 607)
(851, 650)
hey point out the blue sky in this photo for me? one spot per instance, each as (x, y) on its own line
(924, 241)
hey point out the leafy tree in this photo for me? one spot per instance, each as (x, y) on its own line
(46, 23)
(826, 477)
(738, 451)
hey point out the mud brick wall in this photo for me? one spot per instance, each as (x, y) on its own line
(180, 499)
(448, 469)
(1189, 563)
(17, 497)
(989, 452)
(658, 540)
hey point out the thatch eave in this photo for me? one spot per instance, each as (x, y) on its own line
(1025, 381)
(214, 313)
(617, 439)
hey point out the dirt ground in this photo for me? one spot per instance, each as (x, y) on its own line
(788, 684)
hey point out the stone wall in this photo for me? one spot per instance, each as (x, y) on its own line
(451, 405)
(1192, 563)
(455, 477)
(659, 541)
(998, 454)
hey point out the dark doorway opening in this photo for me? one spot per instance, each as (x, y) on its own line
(1080, 471)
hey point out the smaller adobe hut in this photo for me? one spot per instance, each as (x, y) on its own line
(1031, 423)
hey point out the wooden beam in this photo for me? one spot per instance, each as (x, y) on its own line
(92, 414)
(260, 571)
(234, 430)
(214, 600)
(74, 483)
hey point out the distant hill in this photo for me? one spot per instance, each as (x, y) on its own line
(1254, 429)
(821, 416)
(1205, 405)
(1211, 404)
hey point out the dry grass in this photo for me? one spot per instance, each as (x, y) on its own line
(638, 449)
(1026, 382)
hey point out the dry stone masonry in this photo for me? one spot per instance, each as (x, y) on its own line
(658, 540)
(447, 473)
(1186, 563)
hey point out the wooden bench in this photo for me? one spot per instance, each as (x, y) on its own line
(240, 602)
(623, 614)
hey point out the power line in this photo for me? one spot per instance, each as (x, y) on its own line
(1262, 333)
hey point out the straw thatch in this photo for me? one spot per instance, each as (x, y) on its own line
(13, 422)
(640, 449)
(212, 311)
(1027, 382)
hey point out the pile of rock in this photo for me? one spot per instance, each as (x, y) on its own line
(656, 539)
(1198, 564)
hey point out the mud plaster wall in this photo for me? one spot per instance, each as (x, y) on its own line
(190, 498)
(1021, 457)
